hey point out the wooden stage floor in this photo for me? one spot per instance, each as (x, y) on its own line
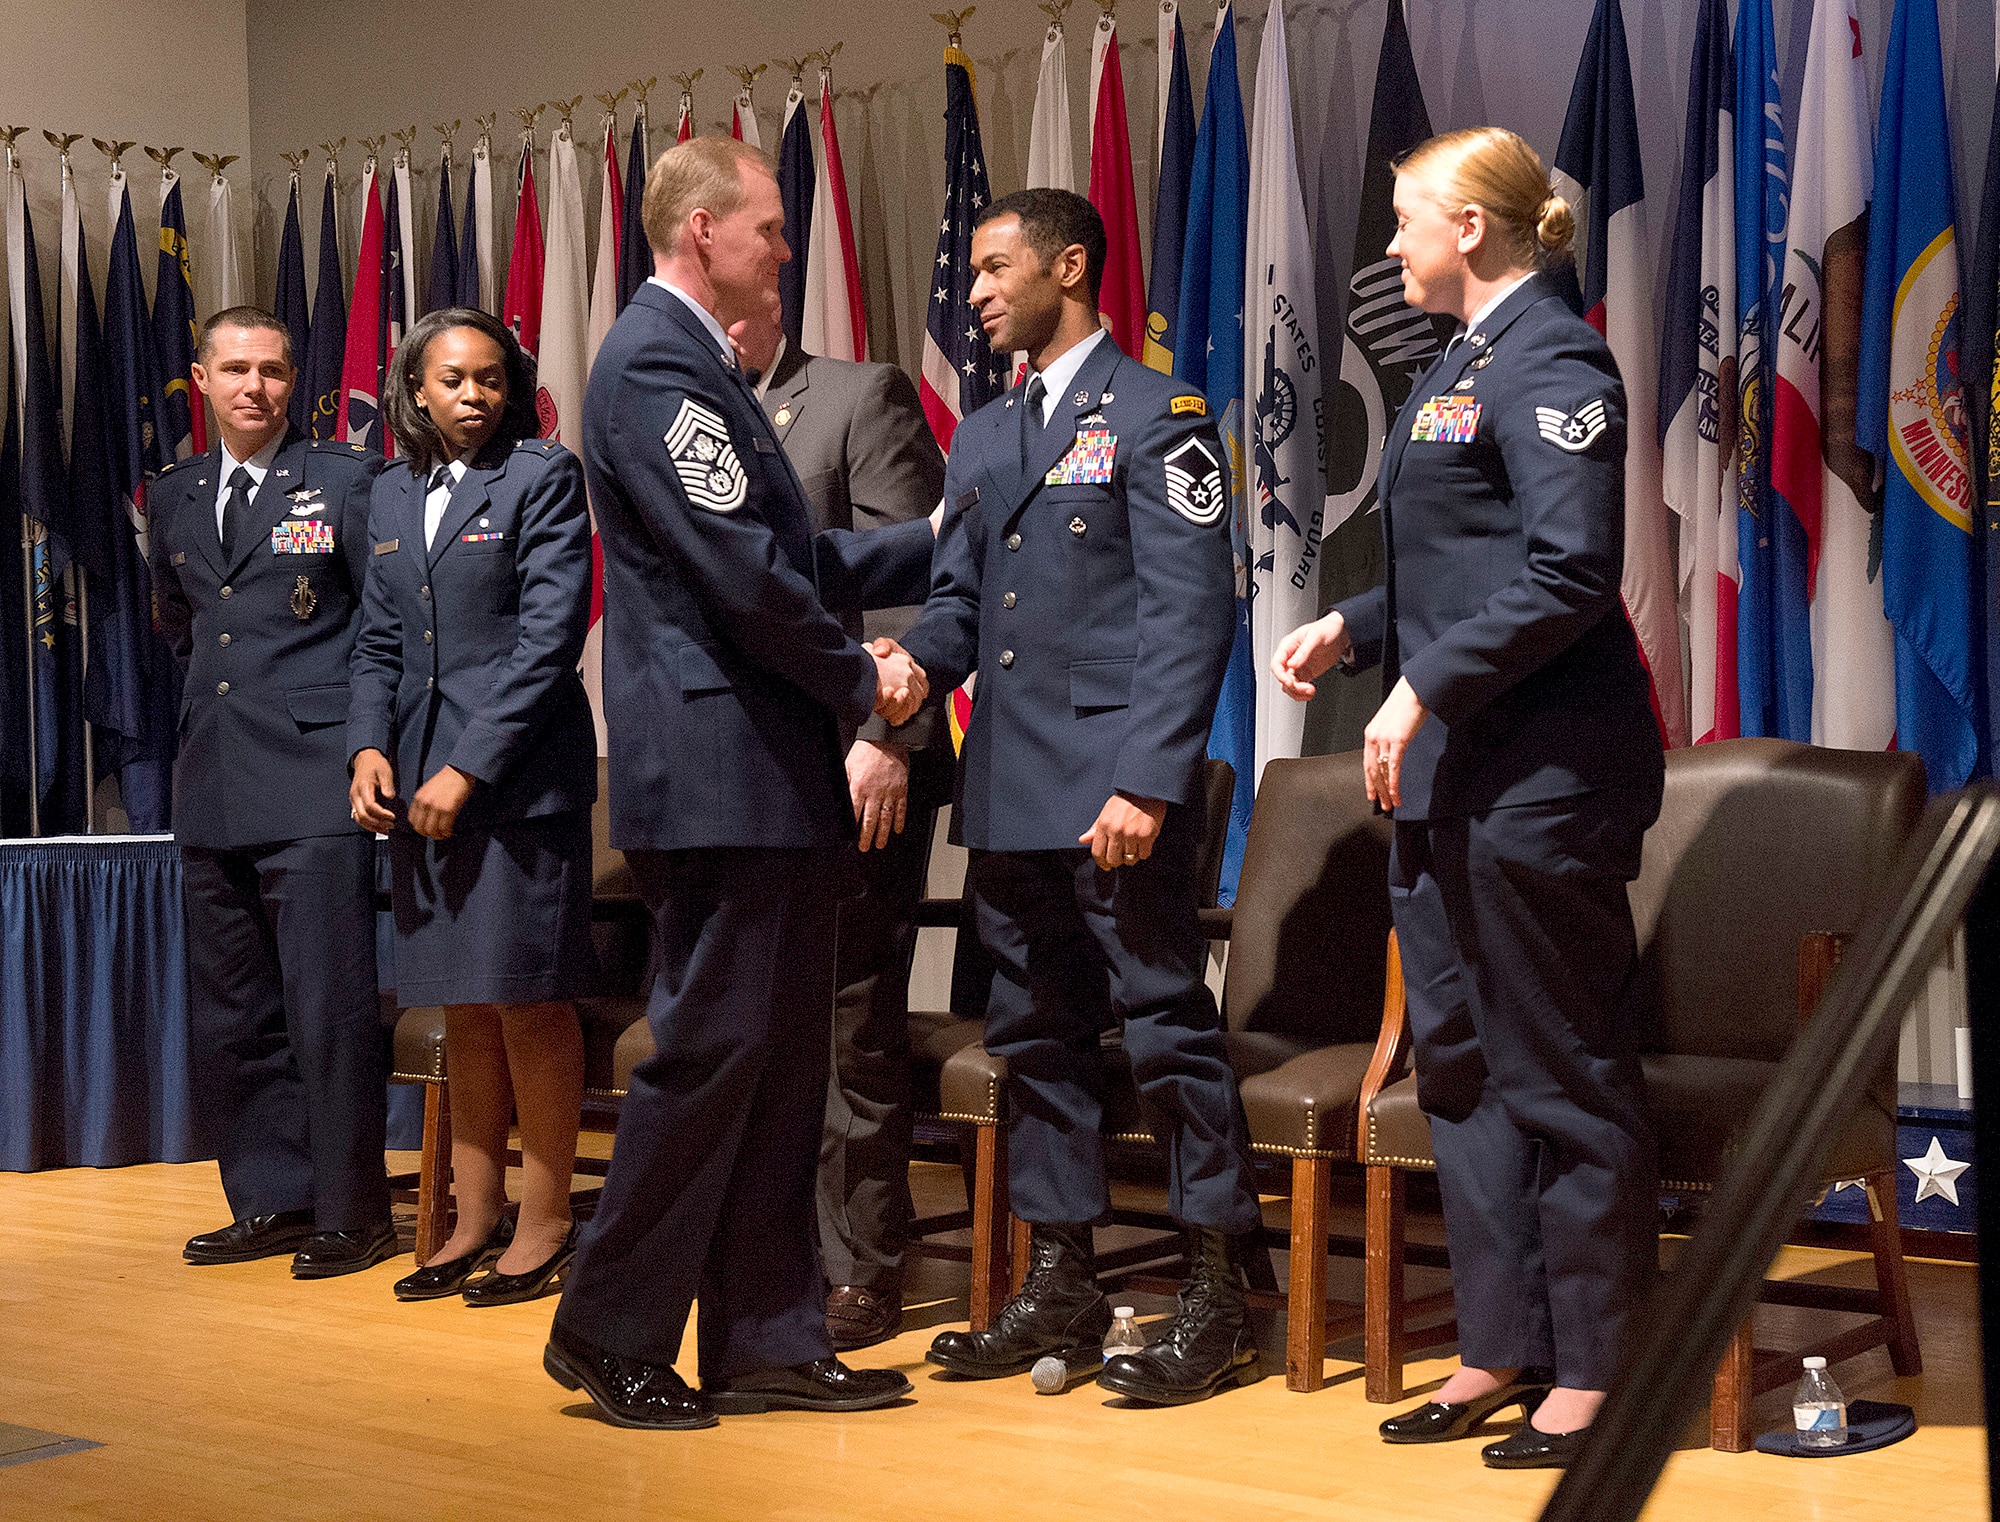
(237, 1393)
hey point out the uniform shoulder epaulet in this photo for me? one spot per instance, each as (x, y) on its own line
(173, 465)
(337, 446)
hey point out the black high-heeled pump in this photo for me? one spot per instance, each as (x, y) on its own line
(1437, 1421)
(436, 1280)
(497, 1288)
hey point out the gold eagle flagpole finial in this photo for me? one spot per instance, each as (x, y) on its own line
(446, 131)
(529, 115)
(296, 160)
(952, 21)
(164, 157)
(641, 88)
(747, 73)
(8, 134)
(114, 151)
(215, 163)
(798, 65)
(406, 141)
(60, 141)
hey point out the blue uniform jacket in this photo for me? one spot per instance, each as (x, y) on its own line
(726, 678)
(1503, 516)
(468, 648)
(1093, 590)
(264, 642)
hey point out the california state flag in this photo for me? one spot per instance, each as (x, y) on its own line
(1816, 465)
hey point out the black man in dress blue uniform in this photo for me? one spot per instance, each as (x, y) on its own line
(727, 681)
(1084, 570)
(258, 550)
(1521, 801)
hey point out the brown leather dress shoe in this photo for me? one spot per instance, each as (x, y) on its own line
(857, 1317)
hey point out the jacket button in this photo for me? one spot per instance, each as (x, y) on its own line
(1077, 526)
(1005, 602)
(222, 689)
(430, 681)
(1006, 657)
(1013, 541)
(226, 591)
(425, 593)
(427, 636)
(222, 639)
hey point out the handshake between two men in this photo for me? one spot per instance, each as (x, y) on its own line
(900, 683)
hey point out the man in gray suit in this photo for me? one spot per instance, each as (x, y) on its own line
(856, 435)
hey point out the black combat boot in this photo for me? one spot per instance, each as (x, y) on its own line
(1059, 1311)
(1206, 1346)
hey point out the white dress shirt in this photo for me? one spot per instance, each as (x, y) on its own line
(259, 466)
(764, 380)
(707, 317)
(1062, 370)
(437, 499)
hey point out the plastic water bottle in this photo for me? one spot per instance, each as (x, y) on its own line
(1819, 1409)
(1124, 1336)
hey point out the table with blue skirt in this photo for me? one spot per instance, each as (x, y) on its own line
(96, 1067)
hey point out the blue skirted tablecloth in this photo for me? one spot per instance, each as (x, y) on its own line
(96, 1068)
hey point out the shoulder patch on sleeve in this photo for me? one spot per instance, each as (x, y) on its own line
(705, 458)
(1572, 431)
(1194, 484)
(1190, 404)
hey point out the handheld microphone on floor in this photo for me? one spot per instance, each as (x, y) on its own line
(1052, 1376)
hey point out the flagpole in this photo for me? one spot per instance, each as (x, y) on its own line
(8, 134)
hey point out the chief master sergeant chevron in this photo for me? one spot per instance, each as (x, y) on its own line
(1084, 569)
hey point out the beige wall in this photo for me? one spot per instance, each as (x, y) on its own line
(120, 70)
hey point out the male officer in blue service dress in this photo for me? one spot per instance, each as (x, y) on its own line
(727, 682)
(856, 435)
(1085, 571)
(258, 549)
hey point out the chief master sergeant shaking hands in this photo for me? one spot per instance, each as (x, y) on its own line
(1084, 569)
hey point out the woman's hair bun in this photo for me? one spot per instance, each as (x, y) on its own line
(1555, 225)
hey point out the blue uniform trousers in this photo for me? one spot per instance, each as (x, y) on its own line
(1076, 948)
(710, 1193)
(281, 947)
(1518, 952)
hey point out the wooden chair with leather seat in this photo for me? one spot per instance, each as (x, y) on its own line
(1301, 1011)
(621, 933)
(1764, 860)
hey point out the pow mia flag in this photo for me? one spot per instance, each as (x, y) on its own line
(705, 459)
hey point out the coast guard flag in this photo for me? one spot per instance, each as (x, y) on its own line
(291, 307)
(220, 273)
(180, 415)
(797, 172)
(1282, 375)
(1387, 344)
(960, 372)
(1911, 412)
(1698, 385)
(441, 289)
(1982, 370)
(125, 693)
(326, 348)
(1170, 203)
(635, 255)
(1051, 146)
(832, 322)
(610, 219)
(362, 362)
(743, 120)
(1597, 164)
(1208, 354)
(1816, 466)
(1122, 299)
(521, 307)
(1773, 632)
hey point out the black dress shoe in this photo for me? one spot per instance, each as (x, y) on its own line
(1532, 1448)
(497, 1288)
(826, 1384)
(1060, 1311)
(629, 1392)
(1442, 1421)
(255, 1236)
(1206, 1347)
(332, 1253)
(858, 1317)
(434, 1280)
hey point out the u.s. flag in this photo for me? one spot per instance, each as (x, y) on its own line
(961, 373)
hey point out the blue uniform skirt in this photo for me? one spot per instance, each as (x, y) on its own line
(494, 916)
